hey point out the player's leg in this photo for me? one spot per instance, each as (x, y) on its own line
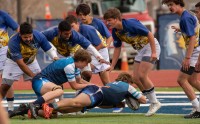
(46, 91)
(194, 82)
(144, 70)
(10, 99)
(144, 67)
(3, 114)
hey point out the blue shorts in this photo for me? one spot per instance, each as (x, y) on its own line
(37, 83)
(95, 94)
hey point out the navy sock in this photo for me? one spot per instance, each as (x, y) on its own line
(39, 101)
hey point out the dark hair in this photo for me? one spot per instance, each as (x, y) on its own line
(198, 4)
(64, 26)
(125, 77)
(26, 28)
(112, 13)
(71, 19)
(82, 55)
(177, 2)
(83, 8)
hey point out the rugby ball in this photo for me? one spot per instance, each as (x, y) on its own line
(132, 103)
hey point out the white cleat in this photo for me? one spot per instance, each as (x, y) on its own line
(153, 108)
(117, 110)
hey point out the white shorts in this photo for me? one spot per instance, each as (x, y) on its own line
(194, 56)
(146, 51)
(98, 67)
(13, 72)
(86, 68)
(3, 57)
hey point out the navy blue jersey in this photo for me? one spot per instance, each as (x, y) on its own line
(117, 92)
(63, 48)
(189, 27)
(17, 49)
(92, 35)
(100, 26)
(134, 33)
(6, 22)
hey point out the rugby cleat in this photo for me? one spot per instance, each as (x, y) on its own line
(196, 114)
(21, 110)
(33, 111)
(47, 110)
(153, 108)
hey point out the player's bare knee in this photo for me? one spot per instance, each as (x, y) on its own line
(58, 90)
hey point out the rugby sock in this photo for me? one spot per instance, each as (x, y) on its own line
(10, 103)
(195, 103)
(39, 101)
(53, 105)
(151, 95)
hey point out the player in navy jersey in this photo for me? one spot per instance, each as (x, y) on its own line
(98, 42)
(21, 61)
(136, 34)
(6, 21)
(188, 77)
(108, 96)
(83, 13)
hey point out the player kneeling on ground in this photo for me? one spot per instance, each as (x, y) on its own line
(47, 83)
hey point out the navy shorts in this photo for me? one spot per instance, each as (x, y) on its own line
(95, 94)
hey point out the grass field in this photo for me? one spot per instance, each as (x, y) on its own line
(111, 118)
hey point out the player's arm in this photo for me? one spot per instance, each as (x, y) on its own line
(153, 46)
(24, 68)
(141, 98)
(48, 47)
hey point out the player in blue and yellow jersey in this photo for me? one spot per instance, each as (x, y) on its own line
(6, 21)
(188, 77)
(108, 96)
(98, 42)
(21, 61)
(134, 33)
(47, 83)
(83, 13)
(67, 41)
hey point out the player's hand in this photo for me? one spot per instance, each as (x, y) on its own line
(55, 58)
(186, 64)
(104, 61)
(176, 29)
(110, 68)
(153, 57)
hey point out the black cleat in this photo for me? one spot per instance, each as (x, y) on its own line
(196, 114)
(21, 110)
(33, 110)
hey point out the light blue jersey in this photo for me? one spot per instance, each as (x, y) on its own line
(58, 72)
(117, 92)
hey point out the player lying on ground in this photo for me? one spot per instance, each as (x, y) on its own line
(91, 96)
